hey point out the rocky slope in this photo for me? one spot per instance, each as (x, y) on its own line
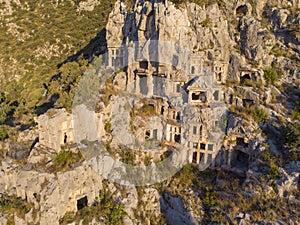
(36, 38)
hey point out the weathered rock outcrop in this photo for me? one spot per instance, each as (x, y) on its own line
(197, 28)
(52, 195)
(178, 212)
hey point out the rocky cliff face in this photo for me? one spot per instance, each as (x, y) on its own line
(217, 32)
(249, 38)
(200, 29)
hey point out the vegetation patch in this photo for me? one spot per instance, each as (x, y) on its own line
(256, 113)
(12, 204)
(127, 156)
(271, 75)
(223, 195)
(260, 114)
(178, 3)
(65, 159)
(296, 112)
(108, 127)
(292, 140)
(107, 92)
(44, 36)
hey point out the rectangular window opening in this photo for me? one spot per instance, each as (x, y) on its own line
(202, 146)
(195, 145)
(194, 130)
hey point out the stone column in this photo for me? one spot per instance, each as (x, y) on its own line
(198, 156)
(229, 155)
(213, 162)
(189, 96)
(137, 85)
(109, 58)
(150, 85)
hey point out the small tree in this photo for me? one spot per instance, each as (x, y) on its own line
(292, 140)
(210, 197)
(260, 115)
(296, 112)
(3, 132)
(271, 75)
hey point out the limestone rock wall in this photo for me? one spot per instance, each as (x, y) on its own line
(52, 195)
(192, 27)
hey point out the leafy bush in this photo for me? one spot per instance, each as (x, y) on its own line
(147, 110)
(178, 2)
(296, 112)
(3, 132)
(6, 111)
(198, 2)
(64, 83)
(292, 140)
(65, 158)
(254, 112)
(274, 171)
(206, 22)
(147, 160)
(13, 204)
(187, 175)
(259, 115)
(266, 155)
(107, 127)
(278, 51)
(224, 192)
(271, 75)
(128, 156)
(210, 197)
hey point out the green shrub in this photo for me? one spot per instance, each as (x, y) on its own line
(147, 110)
(266, 155)
(198, 2)
(13, 204)
(270, 75)
(206, 22)
(296, 112)
(178, 2)
(292, 140)
(10, 221)
(260, 114)
(186, 175)
(274, 171)
(210, 197)
(65, 158)
(128, 156)
(254, 112)
(3, 132)
(5, 110)
(107, 127)
(295, 115)
(147, 160)
(278, 51)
